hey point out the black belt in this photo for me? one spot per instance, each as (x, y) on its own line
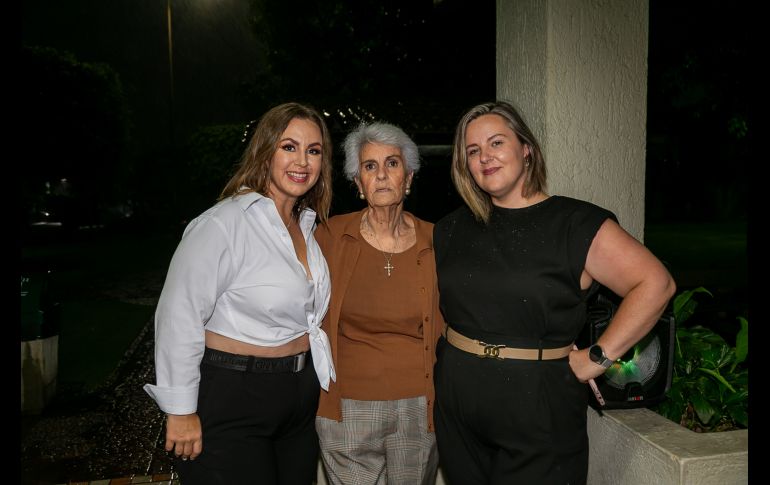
(249, 363)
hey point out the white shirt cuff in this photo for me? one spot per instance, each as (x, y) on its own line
(174, 400)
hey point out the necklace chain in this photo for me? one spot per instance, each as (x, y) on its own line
(388, 256)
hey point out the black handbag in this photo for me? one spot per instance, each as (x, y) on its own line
(642, 376)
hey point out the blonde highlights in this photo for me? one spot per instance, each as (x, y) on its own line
(253, 173)
(478, 201)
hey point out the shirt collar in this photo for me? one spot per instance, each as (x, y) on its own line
(306, 218)
(245, 200)
(353, 225)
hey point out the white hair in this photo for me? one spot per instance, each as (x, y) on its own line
(381, 133)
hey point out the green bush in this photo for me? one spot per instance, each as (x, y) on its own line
(709, 389)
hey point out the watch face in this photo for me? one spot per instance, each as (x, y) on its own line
(596, 353)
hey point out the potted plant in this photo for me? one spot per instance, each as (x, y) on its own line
(709, 389)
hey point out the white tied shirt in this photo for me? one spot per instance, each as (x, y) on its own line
(235, 273)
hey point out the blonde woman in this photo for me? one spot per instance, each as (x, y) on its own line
(515, 267)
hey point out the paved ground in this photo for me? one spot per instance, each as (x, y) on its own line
(116, 431)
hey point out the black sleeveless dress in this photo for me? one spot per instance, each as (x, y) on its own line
(515, 281)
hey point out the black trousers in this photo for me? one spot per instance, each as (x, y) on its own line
(509, 421)
(258, 428)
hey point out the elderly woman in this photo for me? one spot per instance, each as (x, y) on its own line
(375, 424)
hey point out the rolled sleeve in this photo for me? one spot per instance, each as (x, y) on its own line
(200, 271)
(174, 401)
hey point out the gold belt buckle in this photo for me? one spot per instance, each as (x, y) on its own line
(491, 351)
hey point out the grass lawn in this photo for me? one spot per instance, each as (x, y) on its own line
(93, 338)
(693, 249)
(107, 285)
(712, 255)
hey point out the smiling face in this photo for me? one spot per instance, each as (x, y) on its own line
(383, 176)
(496, 159)
(296, 163)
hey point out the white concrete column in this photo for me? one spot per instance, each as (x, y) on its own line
(577, 69)
(39, 370)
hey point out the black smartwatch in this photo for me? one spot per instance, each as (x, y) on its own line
(596, 353)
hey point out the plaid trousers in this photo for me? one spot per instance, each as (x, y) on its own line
(379, 443)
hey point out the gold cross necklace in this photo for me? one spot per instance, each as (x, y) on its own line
(388, 256)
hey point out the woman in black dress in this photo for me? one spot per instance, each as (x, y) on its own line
(515, 267)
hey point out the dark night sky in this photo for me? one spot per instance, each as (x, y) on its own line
(330, 54)
(698, 71)
(214, 51)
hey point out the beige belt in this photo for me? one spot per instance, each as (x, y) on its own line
(483, 349)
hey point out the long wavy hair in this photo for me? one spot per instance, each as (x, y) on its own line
(479, 202)
(253, 173)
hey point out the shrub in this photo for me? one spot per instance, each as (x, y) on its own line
(709, 389)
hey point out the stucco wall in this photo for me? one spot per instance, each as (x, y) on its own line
(577, 69)
(634, 446)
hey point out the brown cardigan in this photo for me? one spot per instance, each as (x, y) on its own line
(340, 240)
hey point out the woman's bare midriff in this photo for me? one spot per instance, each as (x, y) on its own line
(226, 344)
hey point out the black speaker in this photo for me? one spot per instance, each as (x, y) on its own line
(642, 376)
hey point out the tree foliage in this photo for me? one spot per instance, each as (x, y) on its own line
(699, 111)
(210, 157)
(404, 61)
(75, 126)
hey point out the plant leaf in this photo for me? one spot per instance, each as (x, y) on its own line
(742, 342)
(718, 356)
(703, 408)
(740, 415)
(716, 375)
(684, 305)
(709, 390)
(741, 396)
